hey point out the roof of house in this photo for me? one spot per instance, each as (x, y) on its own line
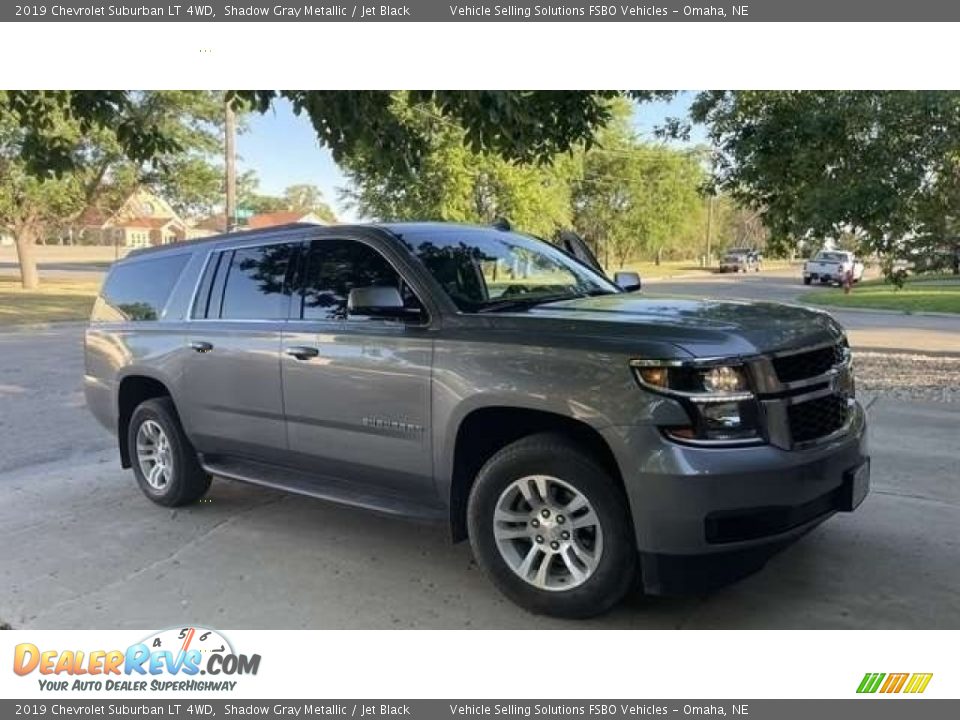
(256, 222)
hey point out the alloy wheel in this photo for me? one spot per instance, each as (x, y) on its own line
(548, 532)
(154, 455)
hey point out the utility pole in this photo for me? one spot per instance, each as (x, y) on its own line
(230, 163)
(710, 202)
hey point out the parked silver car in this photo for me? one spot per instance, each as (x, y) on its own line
(580, 436)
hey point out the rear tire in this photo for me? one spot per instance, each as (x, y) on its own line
(807, 281)
(567, 551)
(164, 461)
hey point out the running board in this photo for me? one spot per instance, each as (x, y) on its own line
(321, 487)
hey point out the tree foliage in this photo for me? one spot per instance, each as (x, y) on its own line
(634, 197)
(454, 182)
(94, 164)
(883, 165)
(302, 197)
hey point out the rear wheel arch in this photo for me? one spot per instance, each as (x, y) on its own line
(486, 430)
(131, 392)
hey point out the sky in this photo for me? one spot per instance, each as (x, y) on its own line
(283, 149)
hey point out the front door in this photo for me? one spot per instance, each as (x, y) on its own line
(357, 389)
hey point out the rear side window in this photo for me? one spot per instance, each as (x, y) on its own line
(247, 284)
(138, 291)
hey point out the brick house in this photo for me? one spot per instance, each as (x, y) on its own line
(143, 220)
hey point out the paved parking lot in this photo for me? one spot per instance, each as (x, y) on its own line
(81, 548)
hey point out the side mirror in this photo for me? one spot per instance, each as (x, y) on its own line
(376, 301)
(627, 280)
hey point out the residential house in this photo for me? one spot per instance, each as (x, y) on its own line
(143, 220)
(256, 222)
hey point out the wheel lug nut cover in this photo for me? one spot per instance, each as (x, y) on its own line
(539, 538)
(545, 513)
(554, 545)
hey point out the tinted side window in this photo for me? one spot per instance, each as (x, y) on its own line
(334, 267)
(255, 286)
(138, 291)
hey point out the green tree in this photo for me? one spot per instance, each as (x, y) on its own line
(518, 126)
(634, 197)
(454, 182)
(305, 198)
(99, 170)
(882, 165)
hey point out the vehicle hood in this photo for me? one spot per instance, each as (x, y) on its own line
(703, 328)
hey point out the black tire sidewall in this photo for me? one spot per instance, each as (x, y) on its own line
(616, 573)
(185, 466)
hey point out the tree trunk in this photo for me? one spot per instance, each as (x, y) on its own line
(26, 242)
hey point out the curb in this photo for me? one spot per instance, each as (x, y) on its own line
(876, 311)
(949, 354)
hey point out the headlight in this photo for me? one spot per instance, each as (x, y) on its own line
(717, 397)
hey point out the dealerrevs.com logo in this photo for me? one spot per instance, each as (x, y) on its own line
(172, 659)
(891, 683)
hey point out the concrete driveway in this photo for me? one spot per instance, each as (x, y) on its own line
(82, 548)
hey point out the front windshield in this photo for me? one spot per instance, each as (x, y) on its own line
(483, 269)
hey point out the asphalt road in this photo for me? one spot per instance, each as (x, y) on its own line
(874, 330)
(80, 547)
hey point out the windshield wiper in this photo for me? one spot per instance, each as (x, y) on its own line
(525, 303)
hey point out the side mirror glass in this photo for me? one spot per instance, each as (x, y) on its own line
(627, 280)
(376, 301)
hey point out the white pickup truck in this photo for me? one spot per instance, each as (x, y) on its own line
(830, 266)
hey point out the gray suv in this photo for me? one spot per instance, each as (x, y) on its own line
(582, 437)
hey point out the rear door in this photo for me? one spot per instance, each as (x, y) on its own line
(357, 389)
(234, 397)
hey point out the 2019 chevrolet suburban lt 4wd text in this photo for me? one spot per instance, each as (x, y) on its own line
(580, 436)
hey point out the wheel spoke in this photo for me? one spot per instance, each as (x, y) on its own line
(155, 473)
(543, 570)
(510, 516)
(511, 532)
(571, 565)
(588, 558)
(578, 503)
(585, 520)
(527, 565)
(529, 493)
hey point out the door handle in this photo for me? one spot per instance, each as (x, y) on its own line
(201, 346)
(301, 352)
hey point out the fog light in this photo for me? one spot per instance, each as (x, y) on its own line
(722, 415)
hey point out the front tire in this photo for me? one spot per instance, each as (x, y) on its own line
(551, 529)
(164, 462)
(807, 281)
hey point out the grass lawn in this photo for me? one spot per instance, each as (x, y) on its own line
(55, 300)
(921, 294)
(672, 268)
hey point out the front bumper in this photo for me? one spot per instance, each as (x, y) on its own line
(705, 516)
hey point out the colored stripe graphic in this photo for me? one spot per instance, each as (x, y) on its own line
(894, 683)
(870, 682)
(918, 682)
